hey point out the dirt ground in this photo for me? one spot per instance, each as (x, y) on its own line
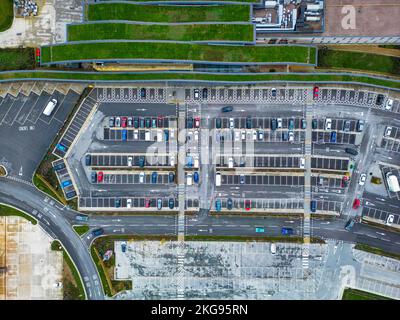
(30, 270)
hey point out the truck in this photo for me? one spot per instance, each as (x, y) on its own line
(393, 182)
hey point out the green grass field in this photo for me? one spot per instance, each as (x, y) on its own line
(375, 250)
(174, 51)
(7, 14)
(80, 230)
(358, 61)
(152, 13)
(247, 1)
(125, 76)
(354, 294)
(17, 59)
(10, 211)
(194, 32)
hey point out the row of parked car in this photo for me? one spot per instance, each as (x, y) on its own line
(99, 176)
(136, 122)
(345, 128)
(276, 123)
(148, 202)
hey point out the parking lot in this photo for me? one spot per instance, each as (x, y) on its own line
(381, 215)
(22, 121)
(262, 205)
(259, 179)
(282, 162)
(330, 164)
(396, 172)
(111, 177)
(131, 95)
(64, 179)
(119, 160)
(391, 142)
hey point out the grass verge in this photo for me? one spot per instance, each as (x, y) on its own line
(80, 230)
(17, 59)
(10, 211)
(110, 76)
(43, 185)
(375, 250)
(194, 32)
(174, 51)
(73, 287)
(167, 13)
(244, 238)
(358, 61)
(7, 14)
(355, 294)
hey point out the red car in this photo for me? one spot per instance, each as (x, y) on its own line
(197, 122)
(316, 92)
(160, 122)
(100, 176)
(147, 203)
(345, 181)
(123, 122)
(247, 205)
(356, 203)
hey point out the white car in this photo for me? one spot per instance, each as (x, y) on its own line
(390, 220)
(196, 135)
(141, 177)
(389, 104)
(172, 133)
(135, 134)
(243, 135)
(291, 136)
(388, 131)
(231, 123)
(254, 135)
(237, 135)
(172, 161)
(363, 178)
(147, 136)
(302, 163)
(230, 162)
(273, 248)
(260, 135)
(196, 94)
(130, 160)
(328, 124)
(129, 203)
(159, 135)
(279, 121)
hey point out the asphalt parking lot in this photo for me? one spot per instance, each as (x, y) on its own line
(118, 160)
(259, 179)
(22, 121)
(283, 162)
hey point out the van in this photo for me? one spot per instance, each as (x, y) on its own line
(50, 107)
(147, 136)
(218, 179)
(189, 179)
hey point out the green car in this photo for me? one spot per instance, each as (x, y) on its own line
(260, 230)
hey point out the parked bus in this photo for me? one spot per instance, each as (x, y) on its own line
(50, 107)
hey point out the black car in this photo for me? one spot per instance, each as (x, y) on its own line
(351, 151)
(130, 122)
(273, 92)
(141, 161)
(218, 123)
(248, 123)
(111, 122)
(379, 99)
(227, 109)
(117, 203)
(205, 93)
(171, 203)
(189, 123)
(136, 122)
(141, 123)
(346, 126)
(229, 204)
(94, 177)
(59, 166)
(171, 177)
(70, 194)
(88, 159)
(148, 122)
(143, 93)
(284, 136)
(273, 124)
(97, 232)
(314, 123)
(360, 125)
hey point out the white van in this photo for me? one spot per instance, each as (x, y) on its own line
(218, 179)
(147, 136)
(50, 107)
(189, 179)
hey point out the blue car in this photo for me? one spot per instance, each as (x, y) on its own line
(196, 177)
(59, 166)
(333, 137)
(189, 161)
(313, 206)
(61, 147)
(118, 203)
(154, 177)
(66, 183)
(124, 134)
(287, 231)
(218, 205)
(97, 232)
(166, 134)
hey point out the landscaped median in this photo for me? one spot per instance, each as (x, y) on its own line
(305, 78)
(165, 51)
(182, 32)
(164, 13)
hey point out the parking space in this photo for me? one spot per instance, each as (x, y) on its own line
(282, 162)
(75, 126)
(380, 215)
(259, 179)
(262, 204)
(391, 141)
(325, 181)
(257, 123)
(325, 163)
(64, 179)
(131, 95)
(329, 206)
(116, 134)
(154, 177)
(138, 160)
(256, 136)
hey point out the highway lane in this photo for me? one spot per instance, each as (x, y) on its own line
(52, 219)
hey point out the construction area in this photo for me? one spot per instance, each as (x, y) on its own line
(250, 270)
(29, 269)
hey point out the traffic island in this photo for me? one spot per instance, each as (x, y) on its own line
(3, 171)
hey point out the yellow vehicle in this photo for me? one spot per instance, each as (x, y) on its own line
(376, 180)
